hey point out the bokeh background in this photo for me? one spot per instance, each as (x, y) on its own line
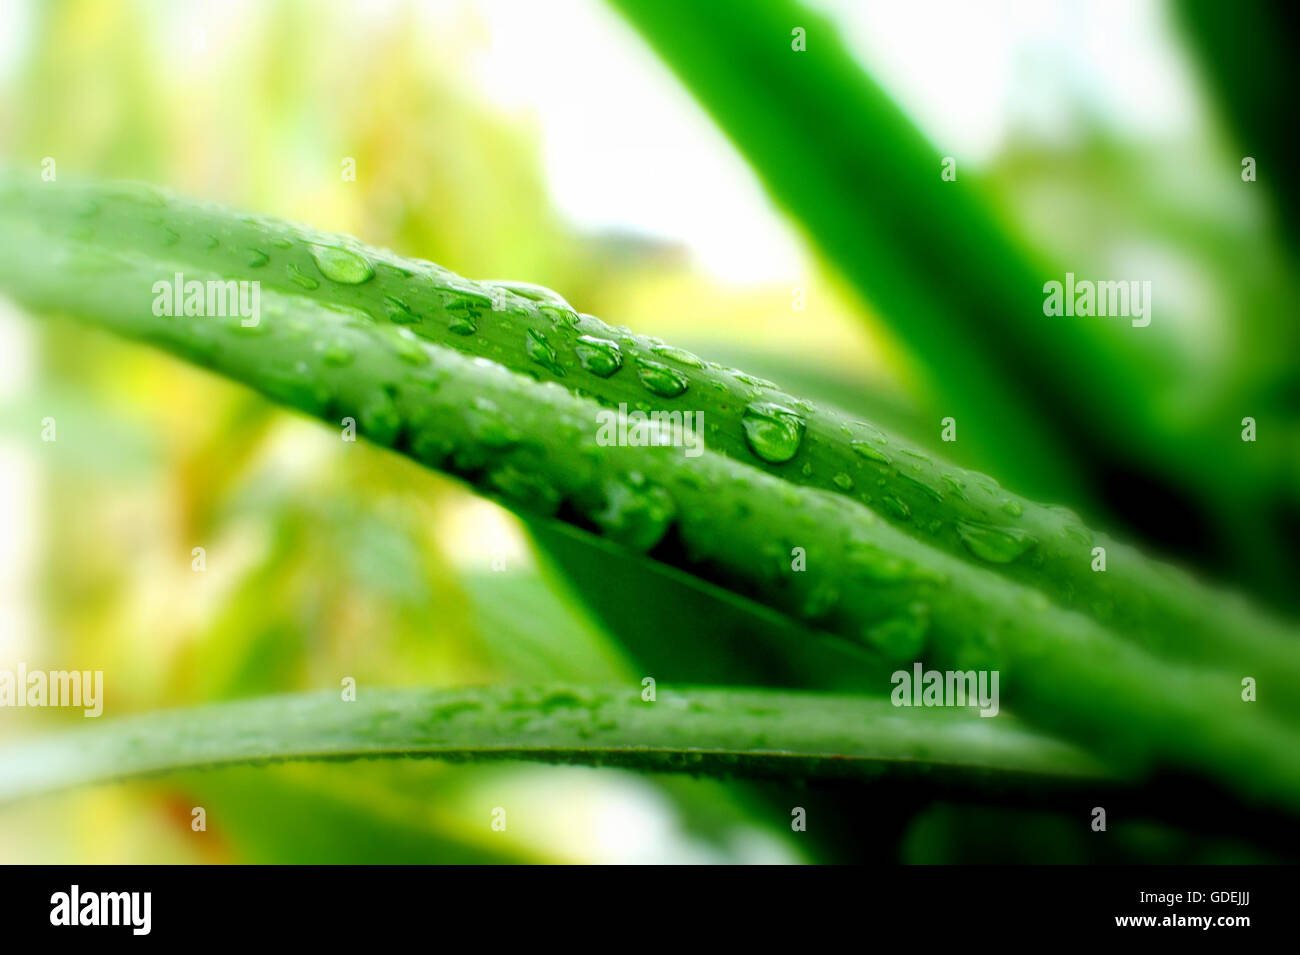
(548, 142)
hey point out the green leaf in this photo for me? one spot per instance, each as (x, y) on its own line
(274, 818)
(1247, 54)
(1062, 411)
(716, 732)
(530, 629)
(679, 630)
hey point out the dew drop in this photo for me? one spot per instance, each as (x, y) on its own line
(559, 315)
(924, 488)
(599, 356)
(380, 420)
(337, 354)
(773, 432)
(900, 637)
(819, 601)
(408, 348)
(636, 513)
(754, 381)
(878, 436)
(257, 258)
(399, 313)
(534, 293)
(342, 265)
(997, 545)
(462, 325)
(678, 355)
(1079, 533)
(299, 278)
(897, 507)
(870, 452)
(660, 379)
(542, 352)
(394, 271)
(956, 486)
(470, 301)
(843, 481)
(870, 560)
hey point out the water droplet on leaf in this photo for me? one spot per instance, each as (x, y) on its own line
(897, 507)
(998, 545)
(299, 278)
(871, 453)
(379, 420)
(342, 265)
(660, 379)
(337, 354)
(900, 637)
(541, 351)
(773, 432)
(534, 293)
(679, 355)
(636, 514)
(399, 313)
(599, 356)
(462, 325)
(870, 560)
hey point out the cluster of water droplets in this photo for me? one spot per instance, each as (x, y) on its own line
(773, 430)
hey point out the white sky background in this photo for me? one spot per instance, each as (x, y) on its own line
(626, 147)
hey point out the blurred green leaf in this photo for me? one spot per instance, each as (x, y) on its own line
(1247, 52)
(716, 732)
(678, 629)
(269, 817)
(1071, 412)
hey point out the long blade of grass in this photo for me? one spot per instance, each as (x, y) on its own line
(715, 732)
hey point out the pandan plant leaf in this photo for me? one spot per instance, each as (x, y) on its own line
(707, 731)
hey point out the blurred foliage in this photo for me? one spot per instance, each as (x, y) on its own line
(1116, 424)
